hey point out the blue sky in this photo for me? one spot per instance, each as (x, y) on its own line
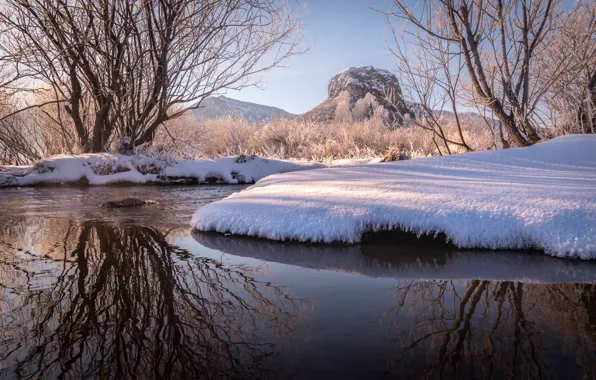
(341, 33)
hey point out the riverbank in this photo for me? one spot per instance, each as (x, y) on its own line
(112, 168)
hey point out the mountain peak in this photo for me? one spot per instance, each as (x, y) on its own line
(368, 78)
(364, 91)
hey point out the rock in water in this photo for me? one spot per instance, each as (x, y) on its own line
(360, 92)
(128, 202)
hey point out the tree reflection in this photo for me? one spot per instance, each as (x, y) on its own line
(121, 302)
(486, 329)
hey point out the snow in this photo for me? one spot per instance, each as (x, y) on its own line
(110, 168)
(541, 197)
(354, 161)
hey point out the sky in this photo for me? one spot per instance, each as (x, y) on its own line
(340, 34)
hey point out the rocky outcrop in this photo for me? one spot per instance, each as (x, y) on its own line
(360, 92)
(128, 202)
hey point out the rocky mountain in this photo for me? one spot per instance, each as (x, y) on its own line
(357, 91)
(362, 91)
(222, 106)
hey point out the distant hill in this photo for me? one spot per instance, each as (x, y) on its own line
(448, 115)
(221, 106)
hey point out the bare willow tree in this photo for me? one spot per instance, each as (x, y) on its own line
(30, 134)
(586, 114)
(15, 131)
(498, 42)
(20, 140)
(431, 71)
(571, 100)
(121, 68)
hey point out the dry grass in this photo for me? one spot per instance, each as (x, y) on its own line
(186, 138)
(316, 141)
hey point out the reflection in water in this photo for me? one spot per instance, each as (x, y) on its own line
(493, 329)
(97, 300)
(381, 259)
(494, 315)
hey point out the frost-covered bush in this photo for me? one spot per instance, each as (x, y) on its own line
(394, 154)
(288, 138)
(191, 139)
(342, 110)
(306, 139)
(357, 139)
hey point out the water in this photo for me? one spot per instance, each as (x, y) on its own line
(87, 292)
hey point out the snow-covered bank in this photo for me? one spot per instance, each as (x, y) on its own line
(541, 197)
(110, 168)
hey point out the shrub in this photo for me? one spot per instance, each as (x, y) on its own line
(285, 139)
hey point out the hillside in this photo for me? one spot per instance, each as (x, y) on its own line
(222, 106)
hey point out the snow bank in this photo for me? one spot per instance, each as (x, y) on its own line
(541, 197)
(354, 161)
(109, 168)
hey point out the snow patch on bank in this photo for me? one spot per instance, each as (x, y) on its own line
(110, 168)
(541, 197)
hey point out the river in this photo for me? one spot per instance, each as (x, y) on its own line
(88, 292)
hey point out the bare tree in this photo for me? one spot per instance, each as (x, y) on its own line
(498, 42)
(569, 67)
(586, 113)
(431, 71)
(30, 133)
(19, 141)
(121, 68)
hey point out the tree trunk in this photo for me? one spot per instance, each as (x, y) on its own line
(586, 113)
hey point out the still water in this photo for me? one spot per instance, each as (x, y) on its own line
(87, 292)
